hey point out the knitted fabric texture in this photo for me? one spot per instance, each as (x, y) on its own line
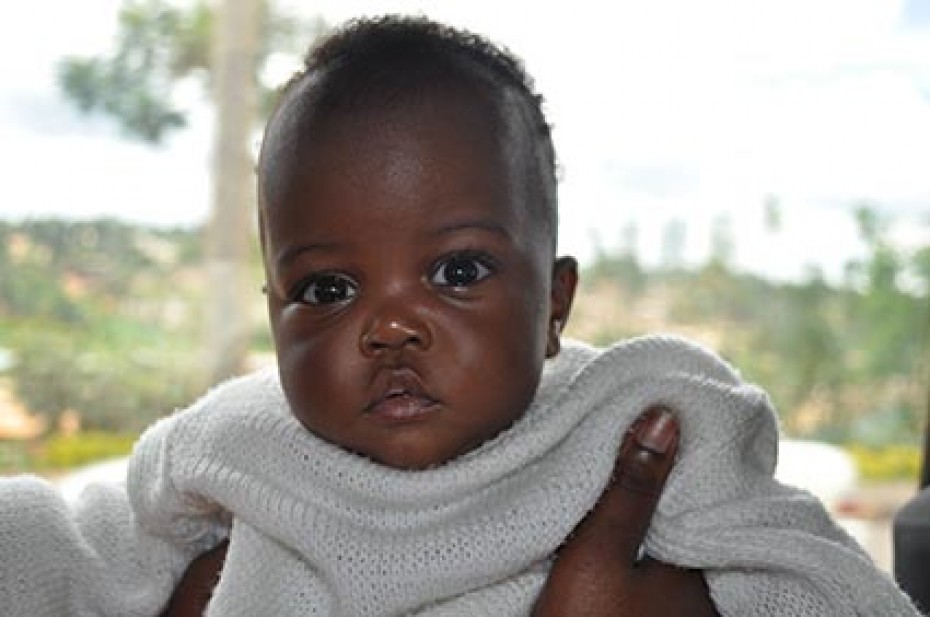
(319, 531)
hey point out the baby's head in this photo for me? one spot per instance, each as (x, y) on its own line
(407, 198)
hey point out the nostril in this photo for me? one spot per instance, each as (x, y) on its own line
(394, 334)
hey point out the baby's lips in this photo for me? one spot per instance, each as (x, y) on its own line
(399, 382)
(403, 409)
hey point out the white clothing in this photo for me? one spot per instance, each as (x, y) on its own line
(319, 531)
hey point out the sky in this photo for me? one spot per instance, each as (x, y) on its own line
(663, 111)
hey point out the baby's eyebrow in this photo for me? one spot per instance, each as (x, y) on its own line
(290, 253)
(490, 225)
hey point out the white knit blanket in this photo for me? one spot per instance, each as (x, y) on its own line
(318, 531)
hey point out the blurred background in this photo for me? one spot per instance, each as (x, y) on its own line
(749, 174)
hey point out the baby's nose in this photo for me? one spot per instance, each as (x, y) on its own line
(395, 332)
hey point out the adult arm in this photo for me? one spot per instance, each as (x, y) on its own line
(598, 572)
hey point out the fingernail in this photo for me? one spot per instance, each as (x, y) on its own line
(657, 430)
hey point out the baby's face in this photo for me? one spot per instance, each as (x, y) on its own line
(410, 290)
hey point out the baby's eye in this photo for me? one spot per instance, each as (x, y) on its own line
(461, 271)
(329, 288)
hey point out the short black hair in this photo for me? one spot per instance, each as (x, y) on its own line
(393, 59)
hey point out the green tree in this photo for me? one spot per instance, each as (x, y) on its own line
(160, 45)
(117, 381)
(891, 320)
(97, 317)
(674, 243)
(722, 243)
(621, 266)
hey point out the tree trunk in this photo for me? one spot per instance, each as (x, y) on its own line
(230, 293)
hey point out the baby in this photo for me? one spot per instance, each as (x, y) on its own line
(426, 443)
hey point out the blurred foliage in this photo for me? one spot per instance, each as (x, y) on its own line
(68, 451)
(102, 318)
(160, 47)
(892, 462)
(15, 457)
(69, 271)
(118, 378)
(844, 361)
(168, 60)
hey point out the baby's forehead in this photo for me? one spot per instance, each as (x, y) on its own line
(306, 124)
(314, 102)
(315, 106)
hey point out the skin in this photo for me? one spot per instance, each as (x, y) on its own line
(597, 572)
(413, 297)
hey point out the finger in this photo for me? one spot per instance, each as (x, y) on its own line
(193, 592)
(691, 597)
(643, 464)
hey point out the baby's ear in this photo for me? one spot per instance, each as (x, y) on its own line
(564, 282)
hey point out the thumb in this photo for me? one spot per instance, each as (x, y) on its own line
(624, 512)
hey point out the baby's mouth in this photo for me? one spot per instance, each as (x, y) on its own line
(401, 397)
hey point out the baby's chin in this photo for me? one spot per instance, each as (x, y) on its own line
(415, 460)
(403, 455)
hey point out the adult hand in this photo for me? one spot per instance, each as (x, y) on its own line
(598, 571)
(193, 592)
